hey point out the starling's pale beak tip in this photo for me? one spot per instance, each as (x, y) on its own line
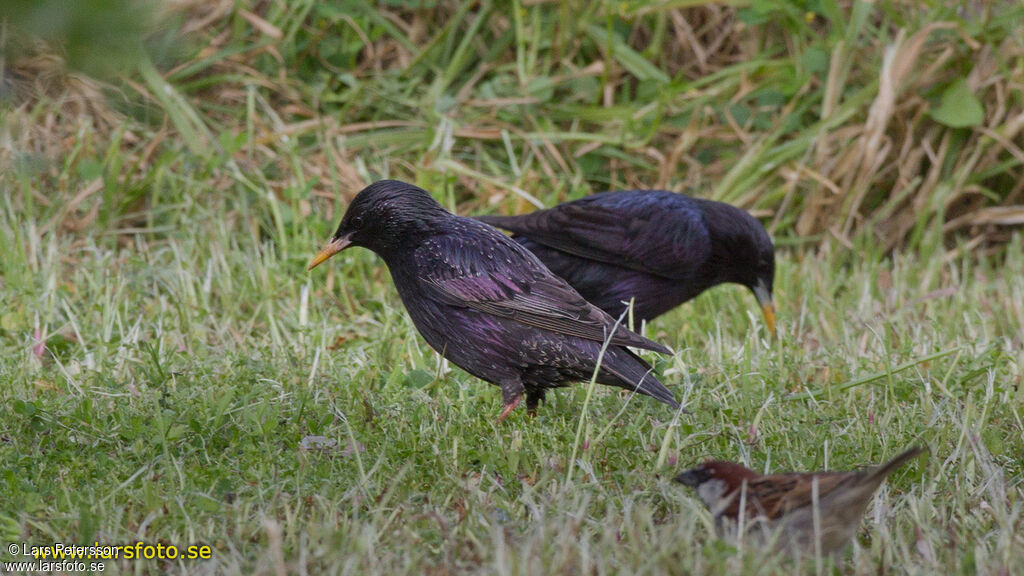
(333, 247)
(764, 298)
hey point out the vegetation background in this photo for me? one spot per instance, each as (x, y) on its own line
(170, 374)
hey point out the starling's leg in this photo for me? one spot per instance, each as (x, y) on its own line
(534, 396)
(511, 395)
(509, 407)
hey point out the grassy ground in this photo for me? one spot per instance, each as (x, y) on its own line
(170, 373)
(182, 376)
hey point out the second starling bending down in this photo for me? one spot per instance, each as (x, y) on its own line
(657, 248)
(486, 303)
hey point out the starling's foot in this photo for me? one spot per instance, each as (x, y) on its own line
(509, 408)
(534, 397)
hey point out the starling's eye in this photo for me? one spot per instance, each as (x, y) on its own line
(356, 223)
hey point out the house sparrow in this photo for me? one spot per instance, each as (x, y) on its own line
(782, 506)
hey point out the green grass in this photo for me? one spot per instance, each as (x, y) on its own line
(182, 374)
(170, 373)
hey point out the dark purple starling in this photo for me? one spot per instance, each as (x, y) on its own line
(656, 248)
(486, 303)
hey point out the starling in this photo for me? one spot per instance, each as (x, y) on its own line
(655, 248)
(486, 303)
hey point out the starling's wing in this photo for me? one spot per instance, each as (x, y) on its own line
(483, 269)
(653, 233)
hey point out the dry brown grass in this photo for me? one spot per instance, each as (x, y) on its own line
(860, 157)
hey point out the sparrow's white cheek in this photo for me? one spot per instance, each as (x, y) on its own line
(712, 493)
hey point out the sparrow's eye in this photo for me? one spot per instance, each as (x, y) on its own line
(356, 223)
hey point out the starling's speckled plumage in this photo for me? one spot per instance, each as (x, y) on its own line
(658, 248)
(486, 303)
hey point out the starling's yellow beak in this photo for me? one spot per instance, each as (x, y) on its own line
(764, 298)
(769, 317)
(333, 247)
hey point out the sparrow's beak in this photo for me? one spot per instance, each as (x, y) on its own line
(688, 478)
(764, 298)
(333, 247)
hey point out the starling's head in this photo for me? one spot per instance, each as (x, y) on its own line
(743, 253)
(381, 216)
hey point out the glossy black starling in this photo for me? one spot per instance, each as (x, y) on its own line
(488, 304)
(655, 247)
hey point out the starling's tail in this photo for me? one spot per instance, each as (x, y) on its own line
(621, 367)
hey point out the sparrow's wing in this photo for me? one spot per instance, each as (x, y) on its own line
(778, 494)
(659, 233)
(483, 269)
